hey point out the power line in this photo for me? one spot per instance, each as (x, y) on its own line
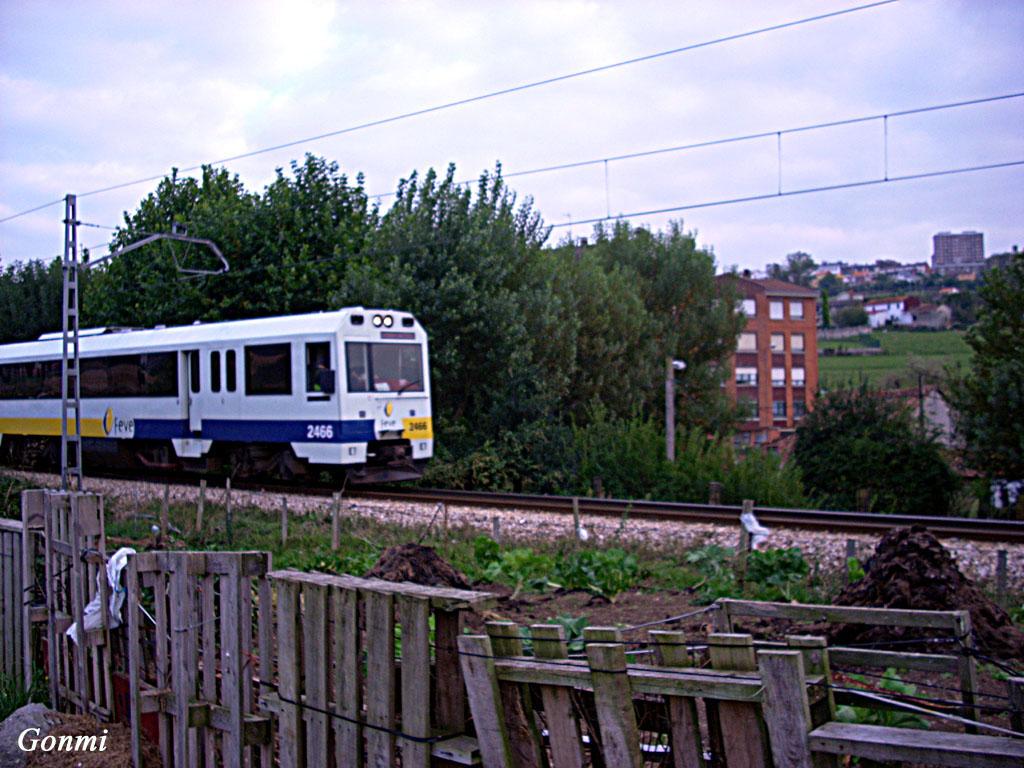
(480, 97)
(793, 192)
(741, 138)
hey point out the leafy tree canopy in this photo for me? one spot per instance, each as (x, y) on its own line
(857, 439)
(989, 400)
(797, 269)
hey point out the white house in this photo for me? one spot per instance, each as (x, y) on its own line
(892, 311)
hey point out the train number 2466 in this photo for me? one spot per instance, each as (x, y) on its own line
(319, 431)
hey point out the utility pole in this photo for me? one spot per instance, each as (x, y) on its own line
(70, 386)
(671, 366)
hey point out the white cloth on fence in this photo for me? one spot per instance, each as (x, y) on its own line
(758, 532)
(91, 616)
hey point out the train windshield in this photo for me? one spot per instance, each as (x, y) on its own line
(384, 367)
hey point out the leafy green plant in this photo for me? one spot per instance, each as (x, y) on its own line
(777, 574)
(854, 569)
(889, 717)
(714, 563)
(14, 695)
(520, 567)
(602, 572)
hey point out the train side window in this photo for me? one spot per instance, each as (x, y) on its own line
(215, 371)
(358, 366)
(193, 371)
(268, 369)
(231, 368)
(320, 377)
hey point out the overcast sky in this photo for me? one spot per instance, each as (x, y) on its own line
(97, 93)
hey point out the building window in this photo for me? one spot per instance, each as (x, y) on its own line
(775, 310)
(798, 377)
(778, 342)
(749, 307)
(779, 409)
(746, 377)
(796, 310)
(748, 409)
(268, 369)
(778, 377)
(796, 342)
(747, 342)
(799, 409)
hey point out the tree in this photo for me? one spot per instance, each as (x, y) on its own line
(851, 316)
(30, 300)
(857, 439)
(798, 269)
(989, 400)
(692, 317)
(826, 312)
(831, 284)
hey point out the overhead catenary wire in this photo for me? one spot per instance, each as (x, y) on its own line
(791, 193)
(884, 116)
(477, 98)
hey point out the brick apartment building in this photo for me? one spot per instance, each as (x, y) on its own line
(774, 373)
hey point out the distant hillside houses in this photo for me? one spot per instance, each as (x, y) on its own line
(863, 274)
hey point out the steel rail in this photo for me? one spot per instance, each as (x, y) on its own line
(1008, 531)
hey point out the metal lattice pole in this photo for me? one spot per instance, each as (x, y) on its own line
(70, 388)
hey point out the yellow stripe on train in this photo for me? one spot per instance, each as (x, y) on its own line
(49, 427)
(418, 428)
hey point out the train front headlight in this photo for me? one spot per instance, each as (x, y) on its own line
(377, 321)
(388, 321)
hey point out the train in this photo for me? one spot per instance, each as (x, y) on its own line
(344, 393)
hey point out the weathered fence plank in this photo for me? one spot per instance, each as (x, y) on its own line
(787, 712)
(620, 739)
(380, 670)
(684, 725)
(478, 669)
(741, 724)
(414, 617)
(563, 725)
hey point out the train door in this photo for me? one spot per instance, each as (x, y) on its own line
(193, 368)
(220, 398)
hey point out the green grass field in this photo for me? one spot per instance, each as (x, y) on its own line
(905, 354)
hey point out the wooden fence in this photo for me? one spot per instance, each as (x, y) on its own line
(769, 710)
(12, 596)
(952, 625)
(230, 663)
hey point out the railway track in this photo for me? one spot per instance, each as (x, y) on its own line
(1008, 531)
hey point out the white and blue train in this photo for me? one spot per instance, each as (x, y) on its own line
(345, 392)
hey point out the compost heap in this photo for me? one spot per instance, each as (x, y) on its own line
(418, 564)
(118, 752)
(911, 569)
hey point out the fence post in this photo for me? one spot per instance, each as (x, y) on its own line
(575, 520)
(1001, 578)
(336, 521)
(524, 738)
(201, 506)
(744, 546)
(742, 739)
(289, 671)
(227, 510)
(563, 727)
(496, 528)
(1015, 685)
(968, 669)
(786, 710)
(284, 520)
(684, 726)
(485, 700)
(165, 511)
(414, 617)
(714, 493)
(613, 699)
